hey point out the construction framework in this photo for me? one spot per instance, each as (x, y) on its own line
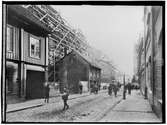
(61, 33)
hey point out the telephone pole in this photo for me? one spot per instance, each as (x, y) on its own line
(124, 90)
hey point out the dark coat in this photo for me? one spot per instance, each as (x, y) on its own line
(65, 95)
(47, 89)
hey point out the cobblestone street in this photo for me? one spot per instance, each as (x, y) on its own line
(83, 62)
(89, 108)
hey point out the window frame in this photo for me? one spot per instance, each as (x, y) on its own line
(30, 42)
(12, 31)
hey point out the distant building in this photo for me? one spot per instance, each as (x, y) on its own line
(26, 55)
(108, 72)
(74, 68)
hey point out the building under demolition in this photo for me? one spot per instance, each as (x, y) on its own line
(36, 37)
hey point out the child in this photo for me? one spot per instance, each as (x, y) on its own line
(65, 98)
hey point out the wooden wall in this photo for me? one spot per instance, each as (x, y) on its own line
(27, 57)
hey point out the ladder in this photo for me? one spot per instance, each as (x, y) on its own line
(61, 33)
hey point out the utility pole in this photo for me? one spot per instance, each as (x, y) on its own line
(54, 63)
(124, 90)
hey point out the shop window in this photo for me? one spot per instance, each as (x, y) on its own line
(10, 35)
(34, 47)
(11, 77)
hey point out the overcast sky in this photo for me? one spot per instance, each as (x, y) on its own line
(111, 29)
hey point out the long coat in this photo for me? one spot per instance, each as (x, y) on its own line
(47, 89)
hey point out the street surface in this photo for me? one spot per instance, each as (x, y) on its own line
(90, 108)
(133, 109)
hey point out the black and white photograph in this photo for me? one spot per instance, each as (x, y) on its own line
(83, 62)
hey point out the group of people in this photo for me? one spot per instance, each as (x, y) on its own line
(94, 88)
(129, 88)
(113, 88)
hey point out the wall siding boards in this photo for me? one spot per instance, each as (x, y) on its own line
(27, 58)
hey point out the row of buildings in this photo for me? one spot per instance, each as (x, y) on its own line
(150, 58)
(38, 50)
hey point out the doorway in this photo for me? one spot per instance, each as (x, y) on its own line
(35, 84)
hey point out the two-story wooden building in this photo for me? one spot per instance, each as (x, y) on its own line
(26, 54)
(74, 68)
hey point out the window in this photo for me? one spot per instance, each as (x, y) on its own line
(11, 77)
(34, 47)
(10, 39)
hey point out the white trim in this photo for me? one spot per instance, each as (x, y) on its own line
(22, 44)
(30, 42)
(35, 68)
(46, 46)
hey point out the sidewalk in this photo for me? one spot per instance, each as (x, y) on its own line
(39, 102)
(134, 109)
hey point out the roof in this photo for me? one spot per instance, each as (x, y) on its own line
(26, 15)
(87, 59)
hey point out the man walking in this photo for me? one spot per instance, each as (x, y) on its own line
(115, 90)
(129, 88)
(110, 89)
(65, 98)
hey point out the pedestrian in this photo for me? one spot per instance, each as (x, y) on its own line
(99, 87)
(110, 89)
(115, 90)
(47, 90)
(91, 88)
(80, 87)
(96, 88)
(65, 98)
(129, 88)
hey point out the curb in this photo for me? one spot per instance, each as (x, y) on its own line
(38, 105)
(28, 107)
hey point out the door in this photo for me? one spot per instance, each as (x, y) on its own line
(35, 84)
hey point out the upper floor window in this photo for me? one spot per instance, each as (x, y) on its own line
(34, 47)
(10, 35)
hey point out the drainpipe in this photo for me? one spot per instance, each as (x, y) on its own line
(3, 81)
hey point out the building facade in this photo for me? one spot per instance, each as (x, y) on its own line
(158, 57)
(74, 68)
(26, 55)
(141, 65)
(151, 85)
